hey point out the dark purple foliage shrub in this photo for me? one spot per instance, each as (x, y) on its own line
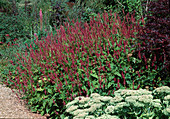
(154, 38)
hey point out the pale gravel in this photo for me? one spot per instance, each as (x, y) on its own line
(12, 107)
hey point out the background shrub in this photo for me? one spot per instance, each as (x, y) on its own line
(154, 40)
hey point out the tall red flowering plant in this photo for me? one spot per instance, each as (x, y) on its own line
(79, 61)
(41, 19)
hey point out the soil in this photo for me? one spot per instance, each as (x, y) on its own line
(12, 107)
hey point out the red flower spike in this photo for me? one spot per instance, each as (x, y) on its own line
(139, 55)
(155, 67)
(118, 84)
(92, 85)
(133, 84)
(146, 66)
(109, 92)
(138, 74)
(113, 92)
(138, 87)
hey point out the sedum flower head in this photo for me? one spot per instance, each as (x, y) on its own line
(71, 108)
(120, 106)
(138, 104)
(109, 109)
(107, 116)
(81, 115)
(94, 95)
(84, 100)
(97, 105)
(105, 98)
(91, 109)
(166, 111)
(71, 103)
(90, 117)
(125, 92)
(145, 98)
(96, 99)
(78, 111)
(116, 99)
(161, 90)
(89, 103)
(156, 101)
(167, 98)
(131, 99)
(157, 105)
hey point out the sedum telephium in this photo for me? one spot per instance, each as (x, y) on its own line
(79, 61)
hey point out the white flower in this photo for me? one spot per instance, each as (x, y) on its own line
(145, 98)
(109, 109)
(116, 99)
(84, 100)
(96, 100)
(106, 116)
(71, 103)
(166, 111)
(163, 89)
(91, 109)
(93, 95)
(131, 99)
(78, 111)
(157, 105)
(81, 115)
(120, 105)
(167, 98)
(156, 101)
(71, 108)
(97, 105)
(105, 98)
(90, 117)
(138, 104)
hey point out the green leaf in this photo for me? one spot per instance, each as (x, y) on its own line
(84, 87)
(44, 104)
(50, 103)
(94, 75)
(111, 78)
(47, 110)
(127, 76)
(91, 90)
(42, 113)
(50, 91)
(109, 84)
(117, 73)
(86, 79)
(33, 109)
(40, 89)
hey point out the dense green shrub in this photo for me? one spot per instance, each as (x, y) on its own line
(97, 58)
(13, 27)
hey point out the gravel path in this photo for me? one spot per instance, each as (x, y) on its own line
(11, 107)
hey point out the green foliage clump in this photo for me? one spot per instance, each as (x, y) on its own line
(80, 59)
(81, 62)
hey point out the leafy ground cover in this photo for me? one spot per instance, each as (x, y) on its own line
(78, 59)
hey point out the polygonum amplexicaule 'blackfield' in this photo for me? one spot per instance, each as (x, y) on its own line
(78, 61)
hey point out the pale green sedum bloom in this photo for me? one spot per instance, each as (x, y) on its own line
(72, 108)
(106, 116)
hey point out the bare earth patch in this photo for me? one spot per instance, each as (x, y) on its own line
(12, 107)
